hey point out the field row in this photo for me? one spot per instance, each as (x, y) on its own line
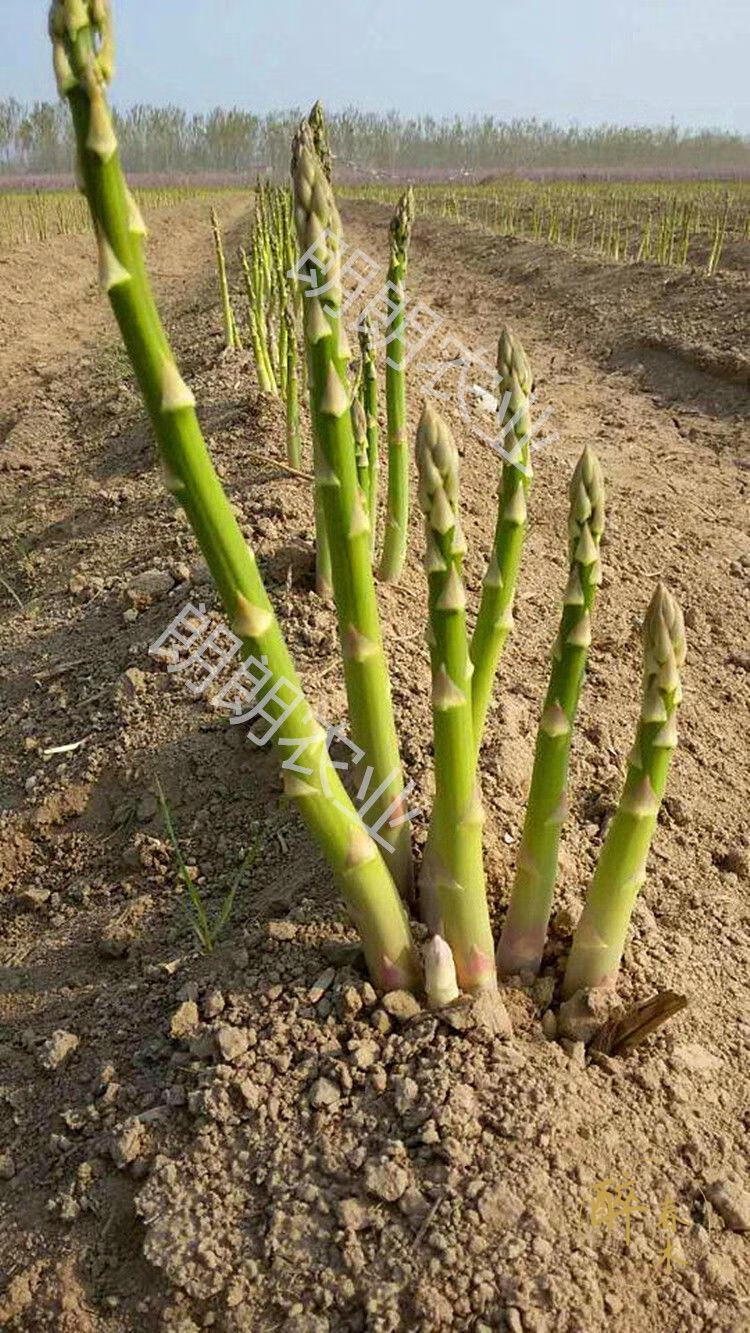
(704, 224)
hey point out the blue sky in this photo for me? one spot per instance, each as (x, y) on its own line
(584, 61)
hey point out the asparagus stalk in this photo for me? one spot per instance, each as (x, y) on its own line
(346, 521)
(397, 512)
(525, 929)
(231, 335)
(621, 869)
(82, 45)
(495, 616)
(293, 451)
(453, 872)
(369, 400)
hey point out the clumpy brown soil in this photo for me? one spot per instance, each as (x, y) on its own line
(251, 1139)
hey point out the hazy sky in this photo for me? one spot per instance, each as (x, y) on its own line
(647, 62)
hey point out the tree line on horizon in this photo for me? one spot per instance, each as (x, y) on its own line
(37, 139)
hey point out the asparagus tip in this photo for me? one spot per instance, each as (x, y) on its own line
(440, 973)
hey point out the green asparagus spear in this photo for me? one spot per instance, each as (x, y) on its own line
(82, 46)
(621, 869)
(231, 335)
(495, 615)
(453, 873)
(346, 521)
(397, 513)
(525, 929)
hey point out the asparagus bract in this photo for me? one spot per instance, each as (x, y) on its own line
(359, 427)
(346, 520)
(495, 616)
(82, 45)
(453, 872)
(397, 512)
(621, 869)
(525, 929)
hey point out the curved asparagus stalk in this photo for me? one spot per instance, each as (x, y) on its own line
(495, 616)
(453, 872)
(525, 929)
(82, 45)
(369, 399)
(397, 513)
(346, 521)
(621, 869)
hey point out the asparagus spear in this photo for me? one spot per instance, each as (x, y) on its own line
(346, 521)
(621, 869)
(495, 616)
(453, 874)
(231, 335)
(292, 389)
(397, 513)
(525, 929)
(82, 46)
(369, 399)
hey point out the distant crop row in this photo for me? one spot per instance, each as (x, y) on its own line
(38, 215)
(38, 138)
(700, 223)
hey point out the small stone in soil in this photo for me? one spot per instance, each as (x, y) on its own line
(324, 1093)
(126, 1143)
(581, 1016)
(36, 897)
(353, 1215)
(401, 1005)
(386, 1180)
(231, 1042)
(213, 1003)
(364, 1055)
(58, 1048)
(184, 1020)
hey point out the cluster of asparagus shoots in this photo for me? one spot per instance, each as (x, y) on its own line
(274, 303)
(274, 306)
(376, 885)
(269, 287)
